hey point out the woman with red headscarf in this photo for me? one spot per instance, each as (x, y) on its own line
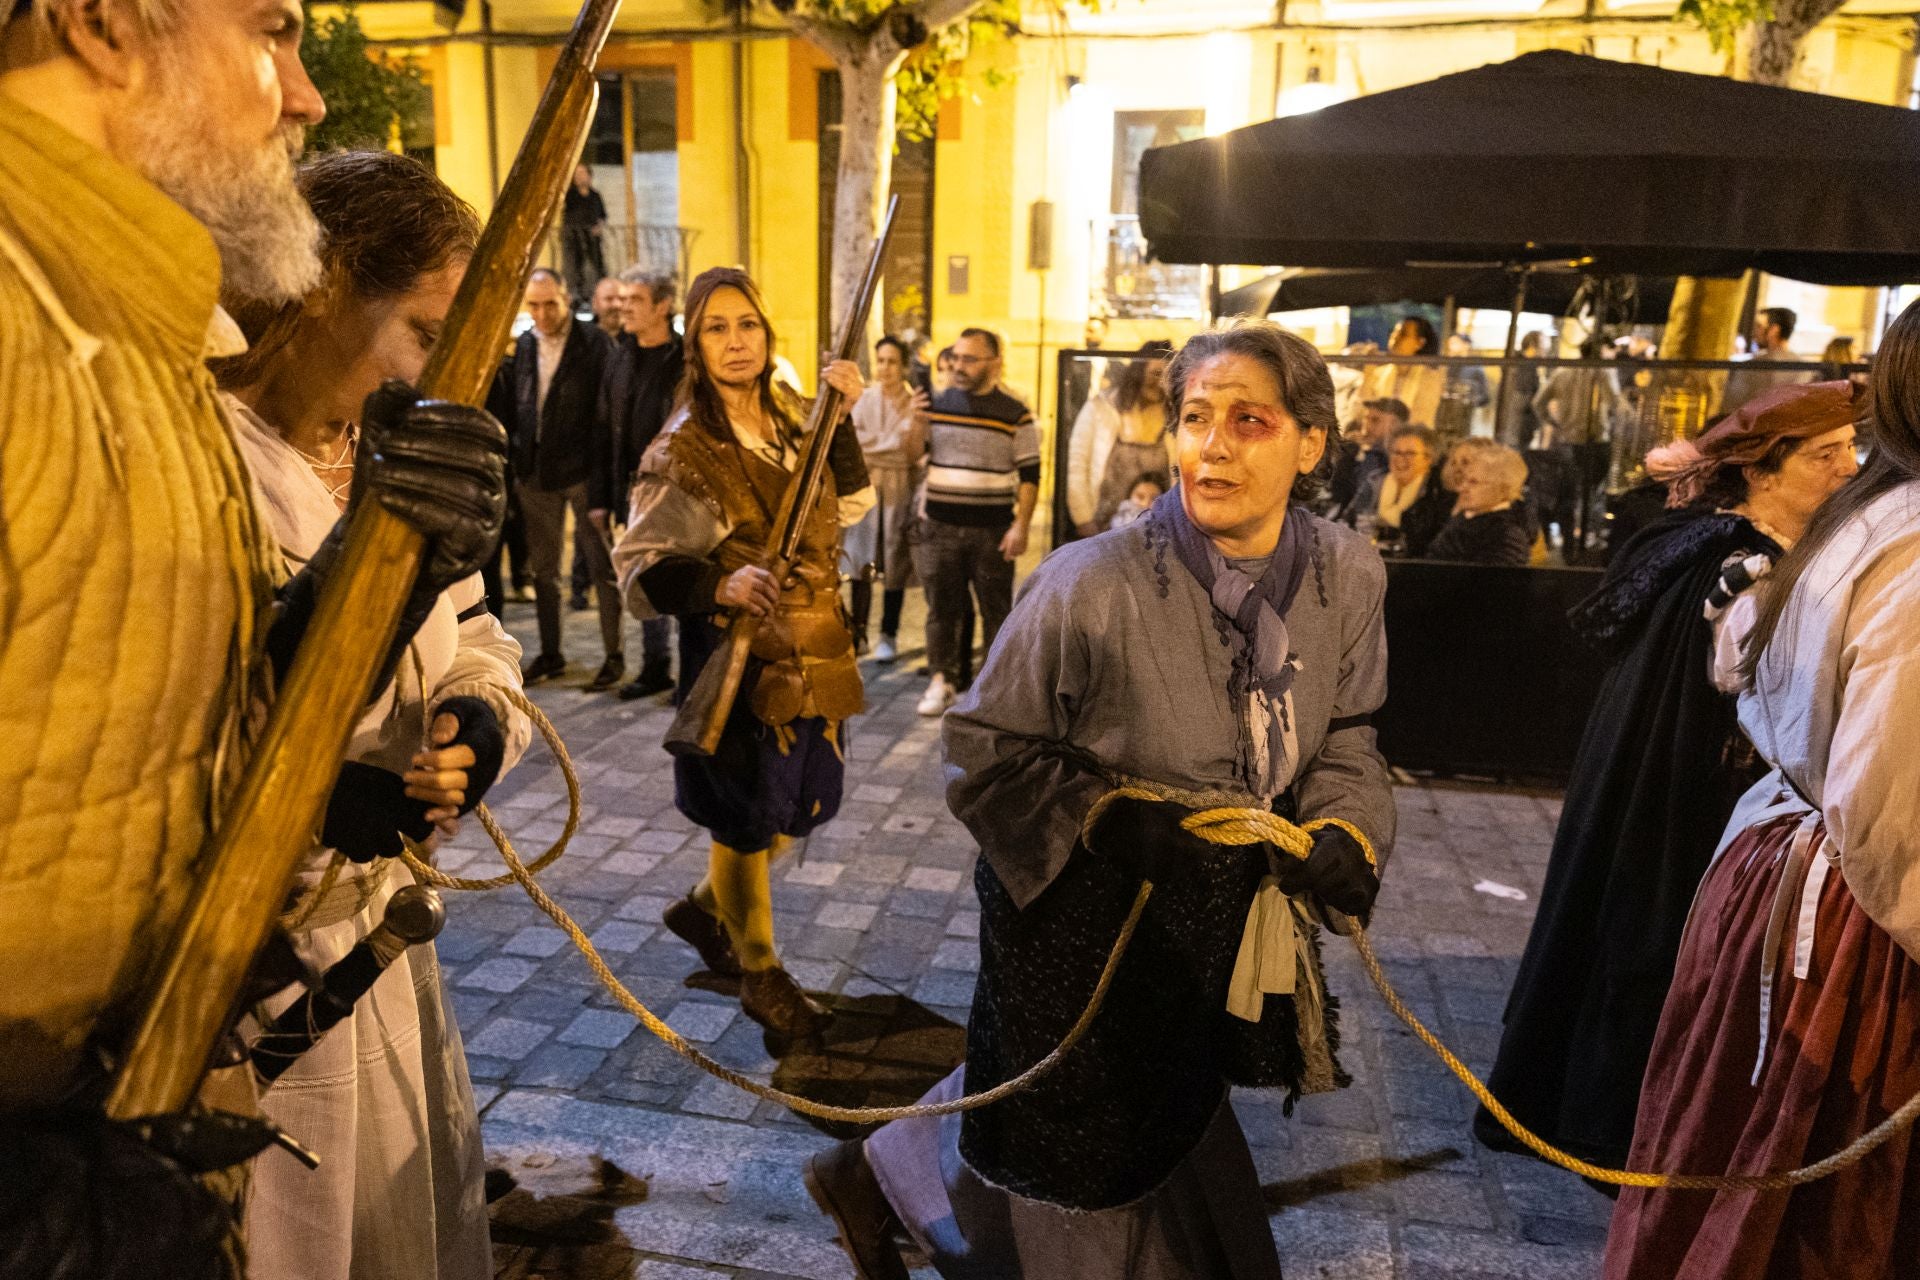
(1659, 768)
(1790, 1026)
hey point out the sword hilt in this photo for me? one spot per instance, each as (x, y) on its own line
(414, 915)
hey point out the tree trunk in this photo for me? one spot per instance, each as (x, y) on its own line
(1768, 50)
(867, 122)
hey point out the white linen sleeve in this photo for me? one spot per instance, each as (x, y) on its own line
(664, 521)
(486, 664)
(1873, 776)
(854, 507)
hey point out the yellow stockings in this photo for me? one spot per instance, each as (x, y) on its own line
(739, 891)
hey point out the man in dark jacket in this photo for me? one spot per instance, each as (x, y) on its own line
(637, 394)
(556, 373)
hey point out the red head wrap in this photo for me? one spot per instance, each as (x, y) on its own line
(1744, 436)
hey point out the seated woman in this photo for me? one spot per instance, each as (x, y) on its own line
(1489, 524)
(384, 1099)
(1386, 497)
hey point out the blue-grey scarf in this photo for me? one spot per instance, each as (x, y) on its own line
(1257, 610)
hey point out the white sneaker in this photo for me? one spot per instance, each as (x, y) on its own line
(886, 650)
(937, 698)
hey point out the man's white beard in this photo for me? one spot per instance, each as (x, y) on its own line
(269, 240)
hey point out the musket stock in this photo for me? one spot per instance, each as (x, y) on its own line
(702, 717)
(242, 881)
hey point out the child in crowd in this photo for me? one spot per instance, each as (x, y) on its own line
(1146, 488)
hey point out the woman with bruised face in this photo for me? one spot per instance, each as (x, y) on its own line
(1225, 648)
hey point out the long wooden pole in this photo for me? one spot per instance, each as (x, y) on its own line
(243, 877)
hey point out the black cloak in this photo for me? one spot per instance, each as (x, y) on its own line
(1659, 769)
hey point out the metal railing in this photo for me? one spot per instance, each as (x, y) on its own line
(654, 247)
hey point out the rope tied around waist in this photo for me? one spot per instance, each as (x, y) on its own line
(1224, 825)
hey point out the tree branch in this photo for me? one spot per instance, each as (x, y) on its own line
(835, 39)
(940, 13)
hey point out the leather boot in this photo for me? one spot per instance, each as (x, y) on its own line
(692, 924)
(842, 1184)
(774, 1000)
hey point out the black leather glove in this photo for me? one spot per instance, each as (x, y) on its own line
(1145, 837)
(1336, 872)
(440, 467)
(368, 811)
(479, 729)
(846, 461)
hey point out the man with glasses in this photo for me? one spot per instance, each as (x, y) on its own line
(983, 476)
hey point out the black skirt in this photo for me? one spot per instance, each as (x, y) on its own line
(761, 782)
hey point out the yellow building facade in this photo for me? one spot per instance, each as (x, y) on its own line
(1027, 229)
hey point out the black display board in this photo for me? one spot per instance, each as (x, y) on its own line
(1484, 677)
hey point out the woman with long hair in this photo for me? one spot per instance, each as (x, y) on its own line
(1790, 1026)
(1660, 766)
(384, 1099)
(1119, 434)
(704, 506)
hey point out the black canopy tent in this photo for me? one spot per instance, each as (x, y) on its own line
(1549, 289)
(1555, 156)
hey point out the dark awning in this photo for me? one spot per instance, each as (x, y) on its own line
(1549, 290)
(1636, 170)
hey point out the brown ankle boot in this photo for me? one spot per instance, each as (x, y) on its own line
(842, 1184)
(774, 1000)
(702, 931)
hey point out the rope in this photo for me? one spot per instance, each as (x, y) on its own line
(1248, 826)
(523, 874)
(1226, 826)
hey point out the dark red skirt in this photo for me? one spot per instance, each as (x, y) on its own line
(1843, 1054)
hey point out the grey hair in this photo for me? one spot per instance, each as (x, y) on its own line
(659, 284)
(1306, 388)
(1509, 468)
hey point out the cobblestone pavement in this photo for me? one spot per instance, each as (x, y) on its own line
(612, 1157)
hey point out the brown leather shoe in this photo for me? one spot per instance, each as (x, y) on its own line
(704, 933)
(842, 1184)
(774, 1000)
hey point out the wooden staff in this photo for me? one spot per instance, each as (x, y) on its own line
(242, 879)
(702, 718)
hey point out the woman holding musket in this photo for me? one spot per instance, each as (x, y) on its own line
(1790, 1026)
(1227, 648)
(703, 516)
(384, 1099)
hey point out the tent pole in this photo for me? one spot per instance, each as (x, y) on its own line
(1503, 408)
(1519, 305)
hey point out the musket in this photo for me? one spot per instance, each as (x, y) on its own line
(242, 878)
(702, 717)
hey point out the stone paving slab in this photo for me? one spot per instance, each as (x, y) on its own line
(613, 1157)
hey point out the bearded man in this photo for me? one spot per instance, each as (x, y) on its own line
(146, 152)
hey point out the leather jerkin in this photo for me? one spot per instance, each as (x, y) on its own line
(805, 646)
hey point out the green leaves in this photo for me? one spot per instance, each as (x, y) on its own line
(931, 74)
(1723, 20)
(370, 97)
